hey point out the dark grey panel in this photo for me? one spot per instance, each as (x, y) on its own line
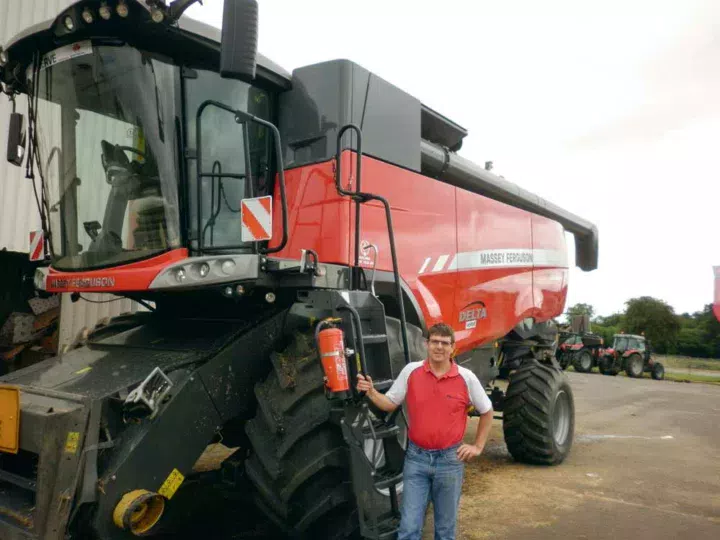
(329, 95)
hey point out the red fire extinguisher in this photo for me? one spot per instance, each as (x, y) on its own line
(331, 345)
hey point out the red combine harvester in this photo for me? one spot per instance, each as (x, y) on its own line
(259, 216)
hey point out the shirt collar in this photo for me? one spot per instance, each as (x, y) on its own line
(452, 372)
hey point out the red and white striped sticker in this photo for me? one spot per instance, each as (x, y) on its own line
(37, 246)
(256, 217)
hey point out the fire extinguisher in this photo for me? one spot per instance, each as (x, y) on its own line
(331, 344)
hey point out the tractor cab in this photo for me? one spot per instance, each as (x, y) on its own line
(144, 136)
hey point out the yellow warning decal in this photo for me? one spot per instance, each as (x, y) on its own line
(83, 370)
(171, 484)
(71, 445)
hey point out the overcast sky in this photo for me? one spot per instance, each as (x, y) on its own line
(609, 108)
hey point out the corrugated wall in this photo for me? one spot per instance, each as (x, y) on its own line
(18, 210)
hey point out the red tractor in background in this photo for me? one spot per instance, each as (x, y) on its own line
(285, 232)
(582, 351)
(577, 345)
(632, 354)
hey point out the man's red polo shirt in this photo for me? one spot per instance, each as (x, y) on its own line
(437, 406)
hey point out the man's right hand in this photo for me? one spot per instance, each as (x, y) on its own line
(380, 400)
(364, 384)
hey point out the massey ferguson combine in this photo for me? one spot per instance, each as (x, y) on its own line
(285, 232)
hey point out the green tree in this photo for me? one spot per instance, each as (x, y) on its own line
(581, 309)
(656, 319)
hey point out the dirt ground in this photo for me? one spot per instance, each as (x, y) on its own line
(644, 465)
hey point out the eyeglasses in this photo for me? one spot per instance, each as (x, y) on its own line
(439, 343)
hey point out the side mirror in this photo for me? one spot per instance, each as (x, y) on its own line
(16, 140)
(238, 49)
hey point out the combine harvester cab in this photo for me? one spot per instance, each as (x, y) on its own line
(259, 216)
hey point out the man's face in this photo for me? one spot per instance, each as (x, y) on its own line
(440, 348)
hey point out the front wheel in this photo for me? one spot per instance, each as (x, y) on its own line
(606, 365)
(539, 414)
(658, 371)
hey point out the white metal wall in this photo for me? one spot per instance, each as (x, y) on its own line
(18, 210)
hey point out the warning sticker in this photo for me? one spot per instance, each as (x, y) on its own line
(171, 484)
(71, 445)
(68, 52)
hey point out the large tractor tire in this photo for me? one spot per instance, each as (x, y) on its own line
(583, 362)
(299, 461)
(634, 366)
(538, 414)
(658, 371)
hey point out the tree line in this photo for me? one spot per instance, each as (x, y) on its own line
(689, 334)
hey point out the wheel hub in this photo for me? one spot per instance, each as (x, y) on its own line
(561, 417)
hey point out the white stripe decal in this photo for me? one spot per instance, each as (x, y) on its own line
(440, 263)
(500, 258)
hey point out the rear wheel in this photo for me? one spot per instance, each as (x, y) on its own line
(538, 414)
(634, 366)
(658, 371)
(583, 362)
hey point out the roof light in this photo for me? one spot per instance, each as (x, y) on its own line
(204, 269)
(157, 15)
(88, 16)
(122, 9)
(180, 275)
(105, 11)
(69, 23)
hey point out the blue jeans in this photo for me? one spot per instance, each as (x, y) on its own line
(430, 475)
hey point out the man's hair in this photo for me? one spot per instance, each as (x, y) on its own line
(441, 329)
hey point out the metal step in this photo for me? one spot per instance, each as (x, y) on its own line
(385, 478)
(371, 339)
(385, 529)
(382, 431)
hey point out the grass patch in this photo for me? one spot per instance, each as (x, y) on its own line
(685, 362)
(691, 377)
(676, 377)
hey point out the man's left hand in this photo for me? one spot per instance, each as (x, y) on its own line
(468, 451)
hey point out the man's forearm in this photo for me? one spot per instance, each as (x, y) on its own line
(381, 401)
(483, 428)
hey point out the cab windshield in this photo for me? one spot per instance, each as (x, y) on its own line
(107, 150)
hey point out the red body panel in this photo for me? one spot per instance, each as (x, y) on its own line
(477, 264)
(135, 276)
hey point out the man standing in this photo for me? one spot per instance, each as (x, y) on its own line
(438, 393)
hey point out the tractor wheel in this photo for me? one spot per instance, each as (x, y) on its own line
(538, 414)
(634, 366)
(299, 461)
(658, 371)
(606, 367)
(583, 362)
